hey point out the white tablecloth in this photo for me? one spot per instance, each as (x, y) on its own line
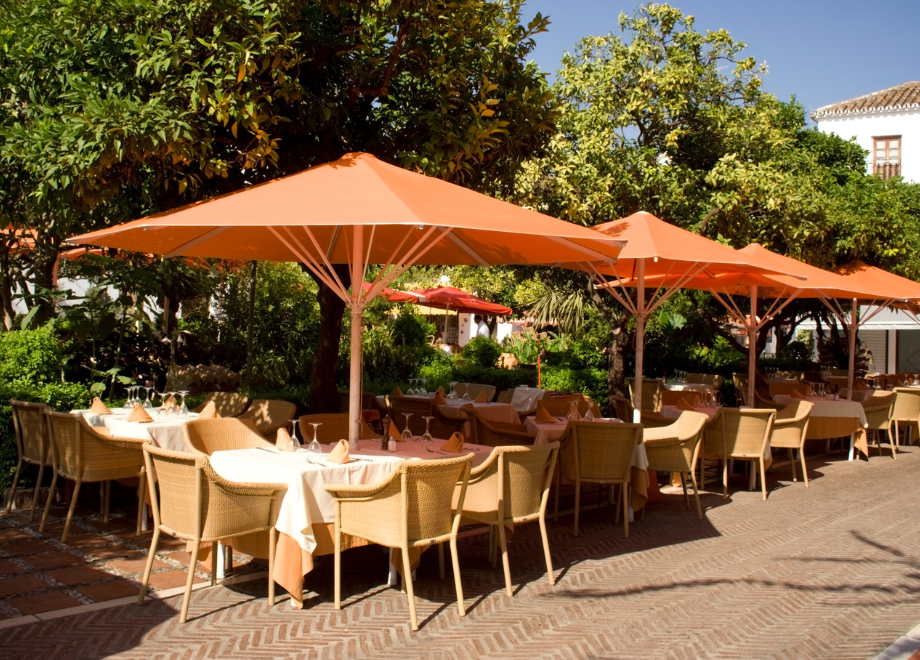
(825, 408)
(306, 501)
(673, 412)
(166, 434)
(688, 387)
(525, 398)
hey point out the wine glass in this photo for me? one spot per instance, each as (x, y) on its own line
(183, 409)
(466, 396)
(148, 385)
(424, 386)
(406, 433)
(453, 390)
(589, 414)
(426, 437)
(315, 447)
(573, 412)
(295, 441)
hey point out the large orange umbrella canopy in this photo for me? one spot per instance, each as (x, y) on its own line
(448, 297)
(301, 217)
(883, 283)
(360, 211)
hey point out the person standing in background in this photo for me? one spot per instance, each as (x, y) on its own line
(482, 328)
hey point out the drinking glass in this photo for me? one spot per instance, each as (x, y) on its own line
(589, 414)
(147, 405)
(183, 409)
(466, 396)
(406, 433)
(453, 390)
(573, 412)
(315, 447)
(295, 441)
(424, 387)
(426, 437)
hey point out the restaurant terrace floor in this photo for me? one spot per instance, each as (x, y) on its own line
(832, 571)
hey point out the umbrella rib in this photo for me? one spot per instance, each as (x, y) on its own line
(335, 237)
(197, 241)
(584, 250)
(310, 263)
(409, 260)
(466, 248)
(604, 284)
(331, 270)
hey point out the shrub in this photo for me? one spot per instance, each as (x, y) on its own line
(30, 356)
(482, 352)
(590, 382)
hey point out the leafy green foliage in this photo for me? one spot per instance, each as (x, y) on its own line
(482, 352)
(31, 357)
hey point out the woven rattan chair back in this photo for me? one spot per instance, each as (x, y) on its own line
(473, 389)
(746, 432)
(558, 407)
(505, 396)
(334, 428)
(32, 446)
(714, 380)
(206, 436)
(651, 394)
(227, 404)
(623, 406)
(495, 434)
(685, 435)
(269, 415)
(599, 453)
(907, 408)
(791, 424)
(673, 397)
(418, 408)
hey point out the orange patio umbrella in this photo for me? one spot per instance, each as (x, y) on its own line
(666, 257)
(360, 211)
(452, 299)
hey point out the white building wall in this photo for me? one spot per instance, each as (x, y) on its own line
(864, 127)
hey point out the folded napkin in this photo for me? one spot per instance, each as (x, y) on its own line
(481, 397)
(209, 411)
(859, 385)
(543, 417)
(99, 408)
(283, 440)
(439, 397)
(397, 391)
(339, 453)
(683, 404)
(394, 431)
(139, 414)
(797, 394)
(170, 402)
(454, 443)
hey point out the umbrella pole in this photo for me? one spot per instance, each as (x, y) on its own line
(854, 325)
(752, 348)
(354, 381)
(640, 342)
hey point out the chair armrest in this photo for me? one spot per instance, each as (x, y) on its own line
(659, 443)
(244, 489)
(360, 491)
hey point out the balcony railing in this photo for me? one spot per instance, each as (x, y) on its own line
(887, 170)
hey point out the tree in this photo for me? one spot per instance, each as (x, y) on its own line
(184, 100)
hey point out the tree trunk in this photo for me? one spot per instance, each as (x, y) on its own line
(6, 292)
(619, 342)
(324, 395)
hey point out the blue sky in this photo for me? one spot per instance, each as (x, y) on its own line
(822, 51)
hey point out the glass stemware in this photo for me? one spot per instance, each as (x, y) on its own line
(426, 437)
(315, 447)
(453, 390)
(424, 386)
(183, 409)
(589, 414)
(573, 412)
(295, 441)
(147, 404)
(406, 432)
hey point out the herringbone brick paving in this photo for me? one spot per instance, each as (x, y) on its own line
(828, 572)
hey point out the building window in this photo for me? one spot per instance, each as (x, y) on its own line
(887, 156)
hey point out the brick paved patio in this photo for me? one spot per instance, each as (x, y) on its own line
(828, 572)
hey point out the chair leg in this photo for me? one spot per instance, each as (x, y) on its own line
(683, 484)
(804, 469)
(108, 501)
(725, 479)
(792, 464)
(338, 563)
(625, 512)
(410, 590)
(455, 561)
(577, 505)
(47, 510)
(893, 439)
(73, 505)
(141, 490)
(616, 504)
(696, 495)
(192, 564)
(215, 550)
(150, 555)
(9, 502)
(38, 486)
(272, 549)
(441, 559)
(558, 488)
(763, 477)
(549, 560)
(506, 566)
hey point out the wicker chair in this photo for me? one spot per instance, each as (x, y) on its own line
(651, 394)
(789, 429)
(505, 396)
(597, 454)
(879, 410)
(196, 504)
(713, 380)
(206, 436)
(32, 444)
(334, 428)
(84, 454)
(409, 509)
(675, 448)
(560, 407)
(495, 434)
(907, 411)
(228, 404)
(740, 435)
(512, 487)
(269, 415)
(442, 426)
(473, 389)
(672, 397)
(623, 407)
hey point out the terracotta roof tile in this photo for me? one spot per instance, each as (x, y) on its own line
(899, 97)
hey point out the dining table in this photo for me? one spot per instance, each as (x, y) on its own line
(834, 418)
(306, 517)
(689, 387)
(164, 431)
